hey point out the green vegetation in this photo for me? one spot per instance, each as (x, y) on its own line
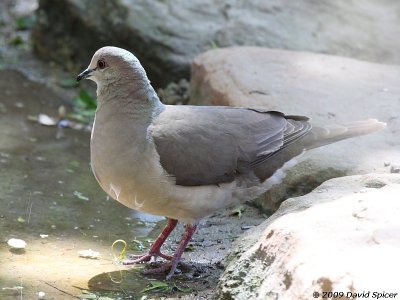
(16, 41)
(85, 107)
(238, 211)
(161, 286)
(68, 83)
(25, 23)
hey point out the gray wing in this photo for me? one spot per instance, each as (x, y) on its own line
(211, 145)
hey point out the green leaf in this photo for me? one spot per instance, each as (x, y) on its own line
(74, 164)
(79, 195)
(89, 296)
(21, 219)
(16, 41)
(189, 248)
(213, 45)
(68, 83)
(182, 289)
(85, 100)
(156, 286)
(239, 210)
(24, 23)
(138, 245)
(85, 107)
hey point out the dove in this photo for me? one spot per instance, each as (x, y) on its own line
(186, 162)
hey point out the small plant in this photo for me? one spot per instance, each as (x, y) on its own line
(85, 107)
(238, 211)
(68, 83)
(25, 23)
(16, 41)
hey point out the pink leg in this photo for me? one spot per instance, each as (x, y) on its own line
(189, 231)
(155, 248)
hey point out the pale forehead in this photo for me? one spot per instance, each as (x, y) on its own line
(114, 53)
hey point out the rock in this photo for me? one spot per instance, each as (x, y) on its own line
(16, 243)
(326, 88)
(342, 237)
(166, 35)
(175, 93)
(23, 8)
(395, 169)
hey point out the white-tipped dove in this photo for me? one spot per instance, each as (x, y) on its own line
(186, 162)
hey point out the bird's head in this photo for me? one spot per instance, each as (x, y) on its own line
(111, 64)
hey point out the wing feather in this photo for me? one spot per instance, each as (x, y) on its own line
(212, 145)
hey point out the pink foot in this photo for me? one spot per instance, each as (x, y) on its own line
(176, 259)
(155, 248)
(136, 259)
(165, 267)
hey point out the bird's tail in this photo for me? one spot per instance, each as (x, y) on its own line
(320, 136)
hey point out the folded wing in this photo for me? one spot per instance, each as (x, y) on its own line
(212, 145)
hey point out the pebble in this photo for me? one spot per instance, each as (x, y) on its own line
(246, 227)
(89, 253)
(395, 169)
(16, 243)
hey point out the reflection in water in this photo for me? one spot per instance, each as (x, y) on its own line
(131, 284)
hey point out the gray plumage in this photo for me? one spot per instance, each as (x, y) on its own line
(211, 145)
(186, 162)
(143, 149)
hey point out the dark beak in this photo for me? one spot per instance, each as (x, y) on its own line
(84, 74)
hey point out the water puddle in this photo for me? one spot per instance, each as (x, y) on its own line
(49, 199)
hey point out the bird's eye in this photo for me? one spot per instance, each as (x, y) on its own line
(101, 64)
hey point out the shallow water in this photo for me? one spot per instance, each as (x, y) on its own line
(50, 199)
(47, 188)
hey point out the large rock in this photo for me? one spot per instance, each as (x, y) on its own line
(166, 35)
(326, 88)
(342, 237)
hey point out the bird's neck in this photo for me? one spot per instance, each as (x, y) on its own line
(132, 98)
(123, 117)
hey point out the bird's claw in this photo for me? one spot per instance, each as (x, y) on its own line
(136, 259)
(163, 268)
(171, 266)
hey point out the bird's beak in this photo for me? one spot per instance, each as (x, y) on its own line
(85, 74)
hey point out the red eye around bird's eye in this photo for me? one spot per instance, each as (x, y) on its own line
(101, 64)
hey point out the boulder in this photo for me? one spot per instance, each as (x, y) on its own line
(328, 89)
(166, 35)
(344, 237)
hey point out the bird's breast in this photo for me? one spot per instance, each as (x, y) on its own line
(127, 167)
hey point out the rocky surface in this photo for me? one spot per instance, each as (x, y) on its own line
(175, 93)
(342, 237)
(326, 88)
(16, 20)
(166, 35)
